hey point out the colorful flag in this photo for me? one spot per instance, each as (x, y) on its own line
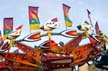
(97, 28)
(88, 12)
(1, 39)
(33, 18)
(8, 27)
(68, 22)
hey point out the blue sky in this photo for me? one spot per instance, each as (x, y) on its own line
(18, 9)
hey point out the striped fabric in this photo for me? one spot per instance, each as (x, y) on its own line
(68, 22)
(1, 39)
(33, 18)
(7, 27)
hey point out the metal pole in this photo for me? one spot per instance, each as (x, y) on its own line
(76, 68)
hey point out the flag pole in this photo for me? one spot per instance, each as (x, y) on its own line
(49, 37)
(88, 12)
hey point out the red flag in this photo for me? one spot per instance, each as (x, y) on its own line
(88, 12)
(97, 28)
(1, 39)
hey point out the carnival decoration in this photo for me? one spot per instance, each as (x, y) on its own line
(33, 18)
(50, 56)
(7, 27)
